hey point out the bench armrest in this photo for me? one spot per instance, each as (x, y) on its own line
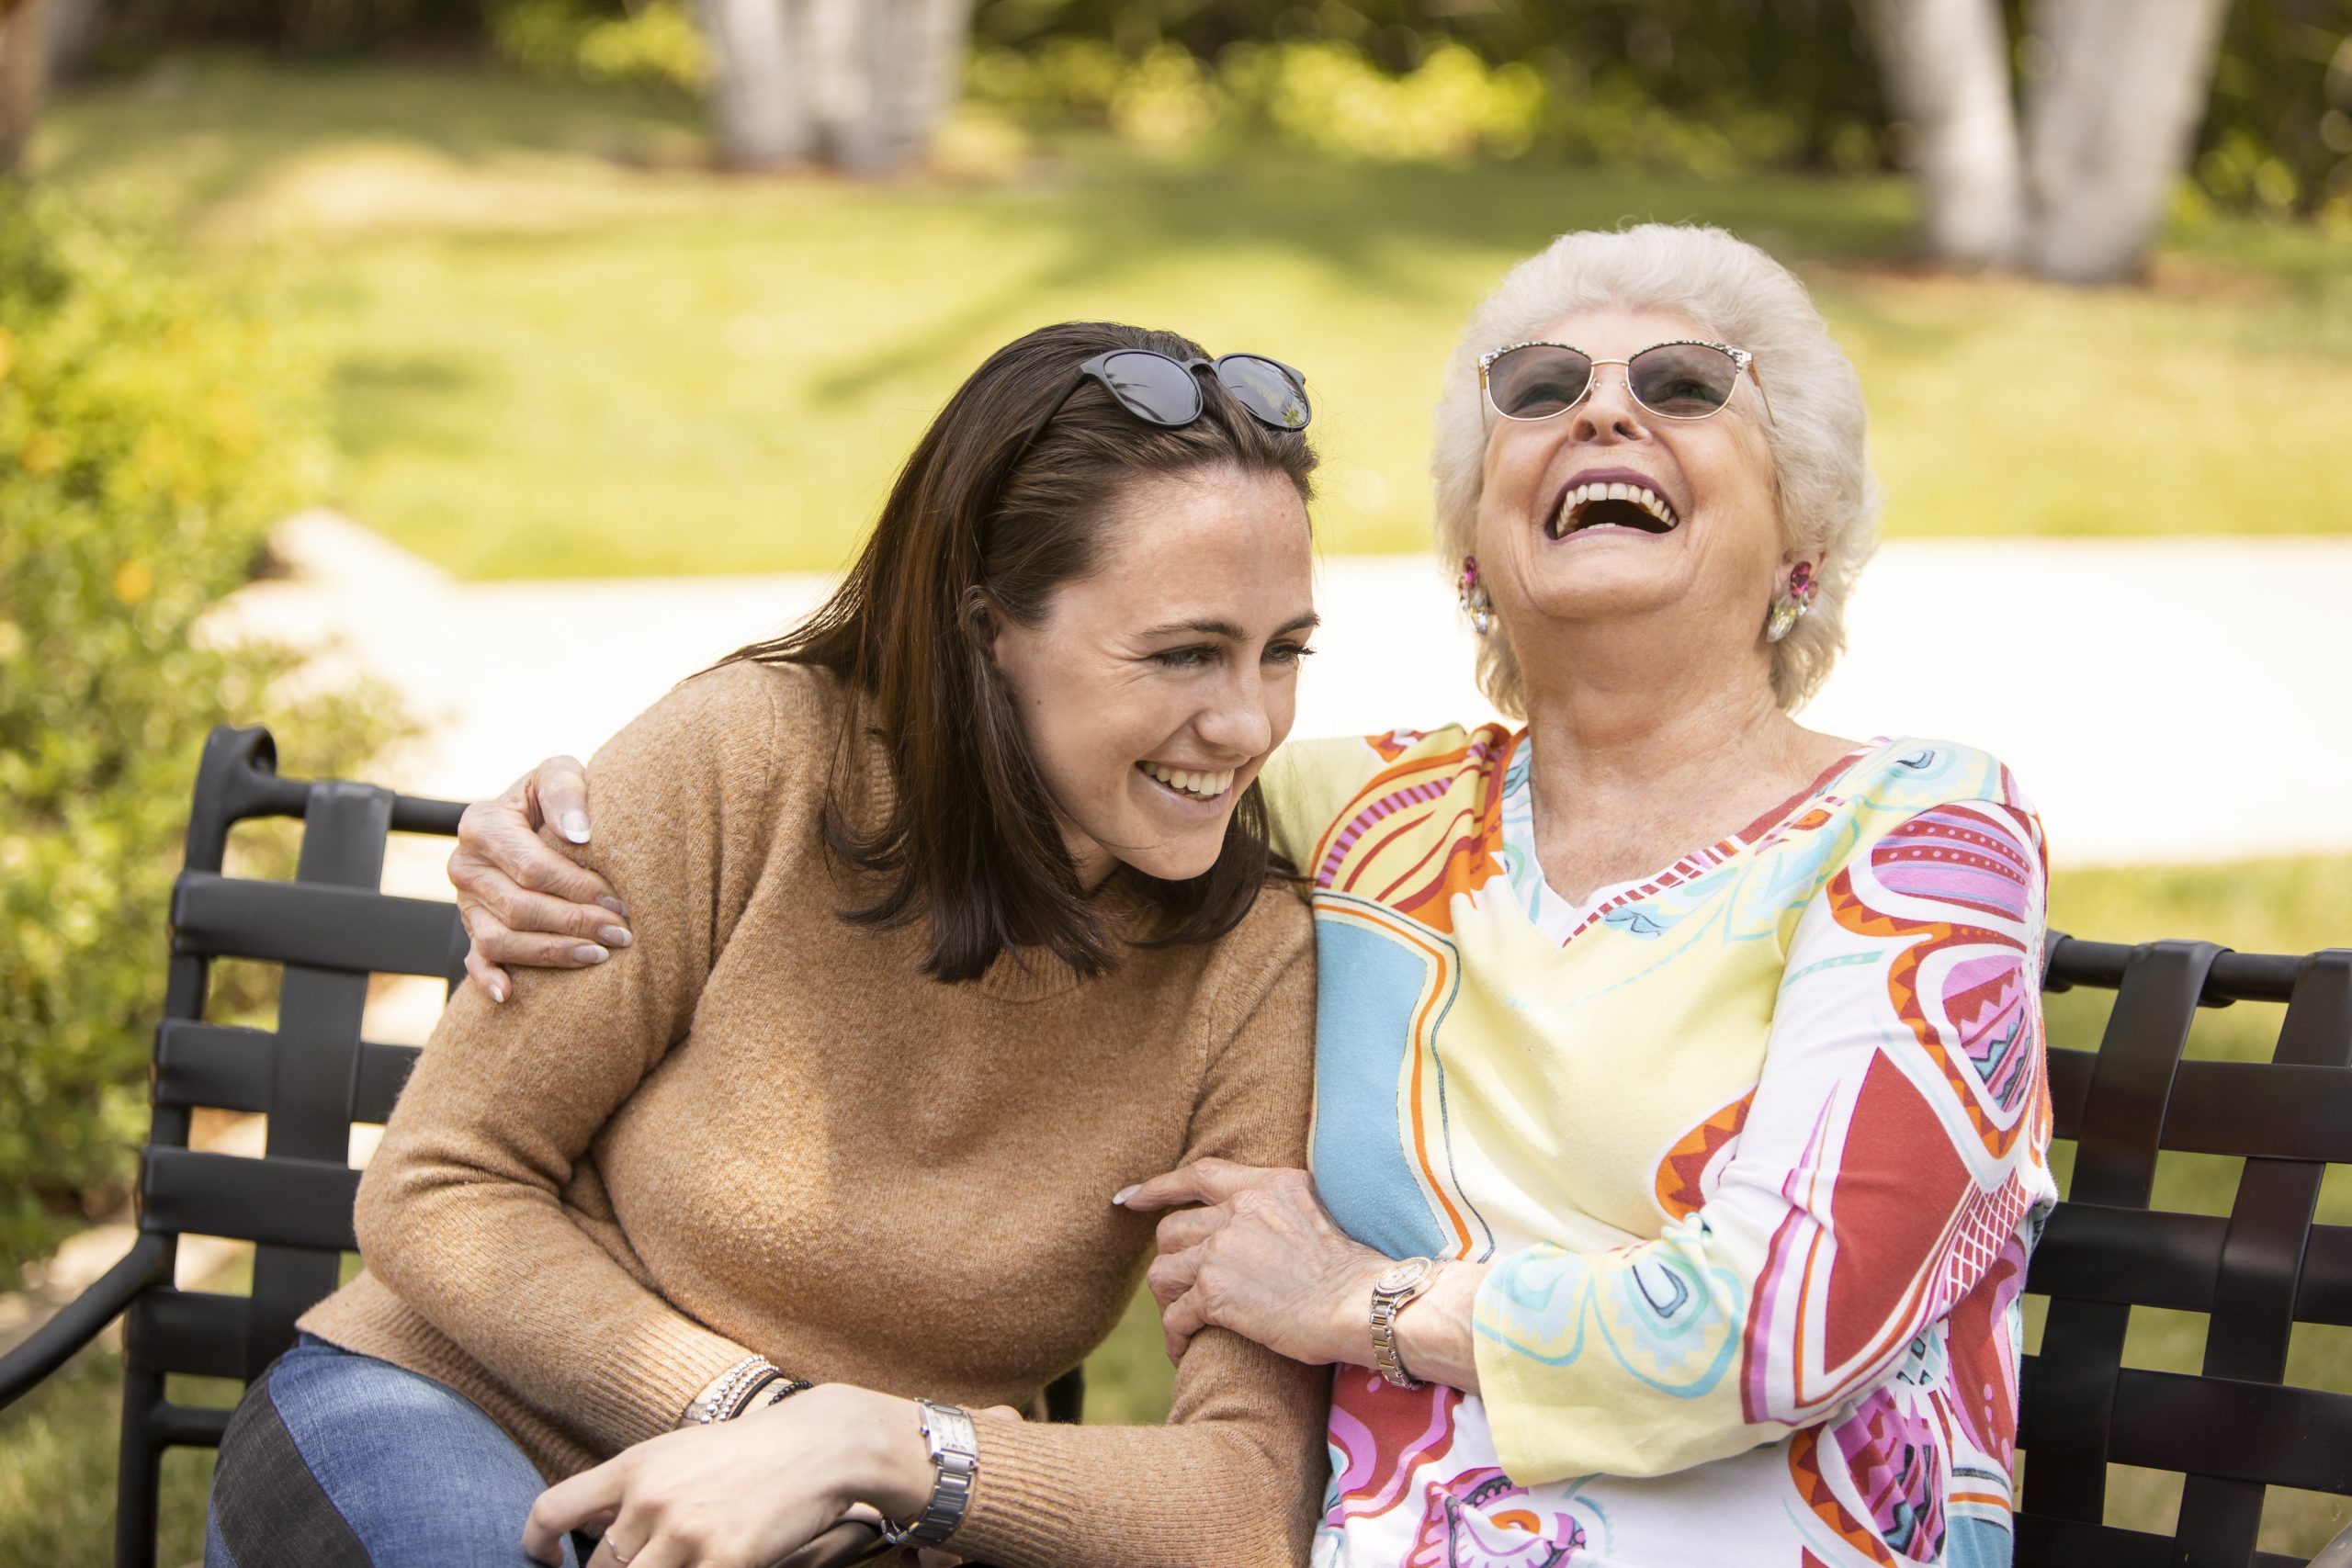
(79, 1321)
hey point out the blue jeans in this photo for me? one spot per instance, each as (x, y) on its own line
(339, 1461)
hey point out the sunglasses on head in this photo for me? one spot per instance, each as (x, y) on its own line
(1672, 380)
(1162, 391)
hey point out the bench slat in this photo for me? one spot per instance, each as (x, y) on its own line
(281, 1203)
(2044, 1541)
(2274, 1110)
(2070, 1089)
(2134, 1257)
(2115, 1165)
(201, 1333)
(2282, 1435)
(229, 1069)
(357, 930)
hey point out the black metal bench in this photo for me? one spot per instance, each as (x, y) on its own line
(2232, 1431)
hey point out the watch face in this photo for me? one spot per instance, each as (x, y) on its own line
(1402, 1276)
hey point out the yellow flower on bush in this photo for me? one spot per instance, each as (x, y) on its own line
(42, 452)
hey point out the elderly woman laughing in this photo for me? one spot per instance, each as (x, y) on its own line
(1681, 1124)
(1700, 1053)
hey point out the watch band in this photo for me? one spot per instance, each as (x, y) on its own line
(955, 1460)
(1399, 1285)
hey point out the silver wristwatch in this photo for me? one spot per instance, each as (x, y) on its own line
(955, 1460)
(1398, 1285)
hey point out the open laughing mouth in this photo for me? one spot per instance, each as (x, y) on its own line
(1633, 506)
(1190, 783)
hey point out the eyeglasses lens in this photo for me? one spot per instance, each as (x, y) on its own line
(1682, 381)
(1266, 389)
(1538, 381)
(1153, 387)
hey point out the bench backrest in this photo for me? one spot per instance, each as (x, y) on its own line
(331, 929)
(2238, 1426)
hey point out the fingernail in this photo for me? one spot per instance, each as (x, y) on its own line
(615, 905)
(584, 954)
(576, 827)
(615, 936)
(497, 991)
(1123, 1194)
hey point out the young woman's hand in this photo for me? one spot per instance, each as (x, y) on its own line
(524, 901)
(742, 1493)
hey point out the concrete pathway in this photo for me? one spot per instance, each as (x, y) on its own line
(2161, 700)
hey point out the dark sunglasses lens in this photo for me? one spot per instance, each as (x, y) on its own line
(1538, 381)
(1682, 381)
(1154, 387)
(1266, 389)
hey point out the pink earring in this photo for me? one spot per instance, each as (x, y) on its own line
(1791, 606)
(1475, 602)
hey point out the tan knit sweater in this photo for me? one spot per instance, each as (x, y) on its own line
(760, 1129)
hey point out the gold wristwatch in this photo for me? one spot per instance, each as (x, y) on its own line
(1398, 1283)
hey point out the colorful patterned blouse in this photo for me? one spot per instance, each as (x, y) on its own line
(1757, 1148)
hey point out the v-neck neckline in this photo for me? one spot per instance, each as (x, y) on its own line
(1554, 915)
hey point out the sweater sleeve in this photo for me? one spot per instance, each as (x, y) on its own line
(1893, 1151)
(1234, 1477)
(460, 1211)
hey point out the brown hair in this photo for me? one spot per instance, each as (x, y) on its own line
(975, 525)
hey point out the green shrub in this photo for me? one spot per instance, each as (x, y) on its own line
(150, 433)
(654, 42)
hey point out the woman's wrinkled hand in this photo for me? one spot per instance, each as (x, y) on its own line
(523, 899)
(1263, 1258)
(742, 1493)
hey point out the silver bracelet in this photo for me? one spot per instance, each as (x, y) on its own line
(955, 1460)
(729, 1393)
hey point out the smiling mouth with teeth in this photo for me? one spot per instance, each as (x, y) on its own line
(1193, 783)
(1611, 505)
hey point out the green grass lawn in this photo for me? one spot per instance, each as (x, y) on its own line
(57, 1449)
(555, 346)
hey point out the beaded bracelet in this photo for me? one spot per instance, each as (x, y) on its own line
(730, 1394)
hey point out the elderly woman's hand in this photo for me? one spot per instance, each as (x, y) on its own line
(1262, 1258)
(523, 901)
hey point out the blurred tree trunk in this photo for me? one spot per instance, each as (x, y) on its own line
(24, 76)
(74, 27)
(2109, 124)
(2113, 99)
(1947, 69)
(763, 99)
(861, 83)
(909, 67)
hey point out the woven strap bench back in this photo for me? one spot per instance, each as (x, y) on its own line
(2236, 1427)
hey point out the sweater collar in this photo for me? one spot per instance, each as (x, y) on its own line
(1032, 974)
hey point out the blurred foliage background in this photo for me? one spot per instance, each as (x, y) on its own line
(159, 430)
(1701, 85)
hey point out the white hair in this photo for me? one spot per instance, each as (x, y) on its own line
(1818, 432)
